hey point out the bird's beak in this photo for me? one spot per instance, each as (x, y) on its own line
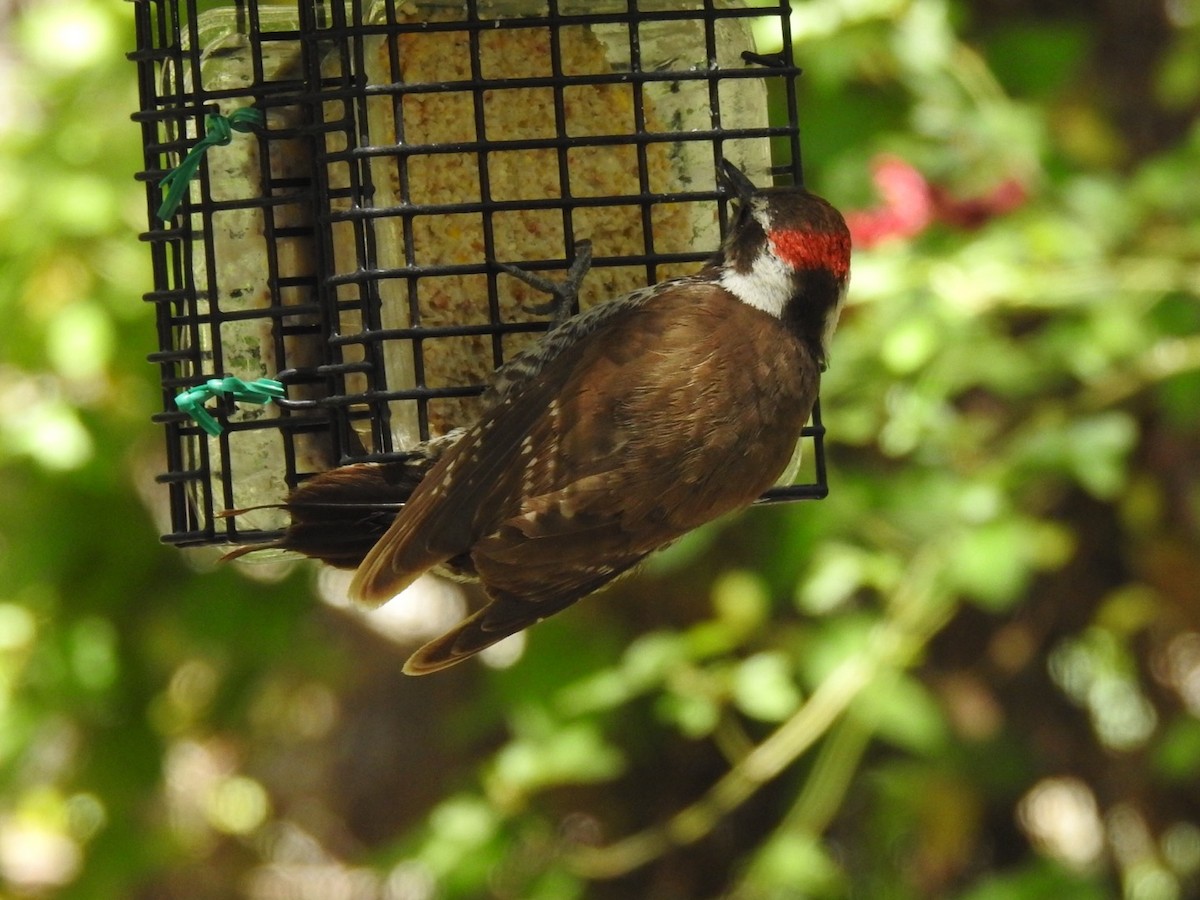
(736, 182)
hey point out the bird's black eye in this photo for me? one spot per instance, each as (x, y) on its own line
(734, 181)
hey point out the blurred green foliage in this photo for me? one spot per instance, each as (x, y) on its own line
(973, 671)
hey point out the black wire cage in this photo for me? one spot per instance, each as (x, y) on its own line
(349, 246)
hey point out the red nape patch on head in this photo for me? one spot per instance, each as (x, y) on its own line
(813, 250)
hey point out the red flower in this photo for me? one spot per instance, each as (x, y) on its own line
(910, 204)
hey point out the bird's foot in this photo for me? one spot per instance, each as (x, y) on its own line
(564, 294)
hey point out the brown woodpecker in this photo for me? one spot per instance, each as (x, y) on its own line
(625, 427)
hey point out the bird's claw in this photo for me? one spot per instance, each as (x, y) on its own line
(564, 294)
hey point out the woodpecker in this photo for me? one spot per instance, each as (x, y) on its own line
(622, 429)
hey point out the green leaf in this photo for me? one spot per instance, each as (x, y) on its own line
(902, 711)
(1039, 880)
(575, 753)
(991, 562)
(796, 864)
(1176, 754)
(764, 687)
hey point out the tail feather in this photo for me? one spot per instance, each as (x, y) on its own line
(339, 515)
(463, 641)
(507, 613)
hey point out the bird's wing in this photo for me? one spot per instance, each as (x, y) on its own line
(596, 462)
(633, 487)
(443, 517)
(562, 546)
(555, 427)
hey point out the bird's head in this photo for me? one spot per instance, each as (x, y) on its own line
(788, 254)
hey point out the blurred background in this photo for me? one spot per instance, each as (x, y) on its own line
(972, 672)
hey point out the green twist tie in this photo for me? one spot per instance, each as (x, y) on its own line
(261, 390)
(220, 132)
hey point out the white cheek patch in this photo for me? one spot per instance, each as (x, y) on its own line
(758, 209)
(767, 286)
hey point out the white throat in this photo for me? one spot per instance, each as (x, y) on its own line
(767, 286)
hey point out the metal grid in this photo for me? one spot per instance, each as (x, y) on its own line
(351, 296)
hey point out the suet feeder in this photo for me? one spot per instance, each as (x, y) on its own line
(349, 176)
